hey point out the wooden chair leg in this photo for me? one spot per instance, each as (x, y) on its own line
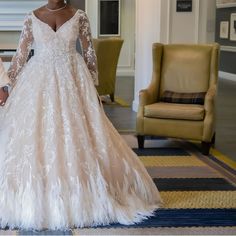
(213, 141)
(206, 148)
(112, 97)
(141, 139)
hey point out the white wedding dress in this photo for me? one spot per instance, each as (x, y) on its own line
(62, 163)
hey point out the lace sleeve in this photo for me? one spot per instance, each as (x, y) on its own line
(88, 51)
(23, 50)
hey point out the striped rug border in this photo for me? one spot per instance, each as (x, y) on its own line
(215, 154)
(224, 161)
(185, 218)
(194, 184)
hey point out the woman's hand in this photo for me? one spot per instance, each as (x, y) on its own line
(3, 96)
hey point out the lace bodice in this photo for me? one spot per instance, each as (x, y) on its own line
(54, 44)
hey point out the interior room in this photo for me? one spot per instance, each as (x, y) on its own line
(166, 73)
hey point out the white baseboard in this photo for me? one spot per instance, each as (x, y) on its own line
(125, 73)
(226, 75)
(135, 106)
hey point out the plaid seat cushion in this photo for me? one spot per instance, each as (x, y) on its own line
(183, 98)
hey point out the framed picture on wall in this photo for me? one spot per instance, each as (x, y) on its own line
(184, 6)
(109, 18)
(233, 27)
(225, 3)
(224, 29)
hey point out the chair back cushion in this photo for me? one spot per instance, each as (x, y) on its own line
(108, 52)
(185, 68)
(183, 98)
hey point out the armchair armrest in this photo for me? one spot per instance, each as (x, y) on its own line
(209, 121)
(210, 99)
(145, 98)
(150, 95)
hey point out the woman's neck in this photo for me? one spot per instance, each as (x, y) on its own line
(53, 5)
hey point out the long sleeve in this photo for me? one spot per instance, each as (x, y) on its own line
(23, 50)
(88, 51)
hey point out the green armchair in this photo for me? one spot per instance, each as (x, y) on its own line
(108, 52)
(183, 69)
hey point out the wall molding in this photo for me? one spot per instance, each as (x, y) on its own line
(197, 15)
(228, 76)
(135, 105)
(12, 13)
(228, 48)
(226, 5)
(125, 73)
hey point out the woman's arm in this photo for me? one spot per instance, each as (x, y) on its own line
(87, 47)
(23, 50)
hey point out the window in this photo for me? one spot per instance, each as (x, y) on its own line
(109, 17)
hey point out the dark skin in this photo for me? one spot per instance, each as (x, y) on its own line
(53, 19)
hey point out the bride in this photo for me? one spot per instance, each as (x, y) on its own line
(62, 163)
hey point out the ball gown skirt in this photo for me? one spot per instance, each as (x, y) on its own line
(62, 163)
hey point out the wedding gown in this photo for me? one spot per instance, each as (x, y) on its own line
(62, 163)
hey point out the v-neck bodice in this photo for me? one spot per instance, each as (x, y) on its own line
(51, 45)
(64, 24)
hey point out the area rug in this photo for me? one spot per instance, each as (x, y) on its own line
(199, 193)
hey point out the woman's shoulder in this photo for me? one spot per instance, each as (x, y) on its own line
(38, 12)
(75, 11)
(82, 14)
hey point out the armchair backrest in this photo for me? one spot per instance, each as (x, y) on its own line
(186, 68)
(108, 52)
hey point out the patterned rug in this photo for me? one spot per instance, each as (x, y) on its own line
(199, 193)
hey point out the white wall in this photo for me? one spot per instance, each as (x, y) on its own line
(126, 61)
(92, 11)
(148, 31)
(207, 21)
(197, 26)
(184, 25)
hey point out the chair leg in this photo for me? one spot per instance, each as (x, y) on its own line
(206, 148)
(141, 139)
(112, 97)
(213, 141)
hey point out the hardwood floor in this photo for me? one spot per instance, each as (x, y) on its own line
(124, 118)
(226, 118)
